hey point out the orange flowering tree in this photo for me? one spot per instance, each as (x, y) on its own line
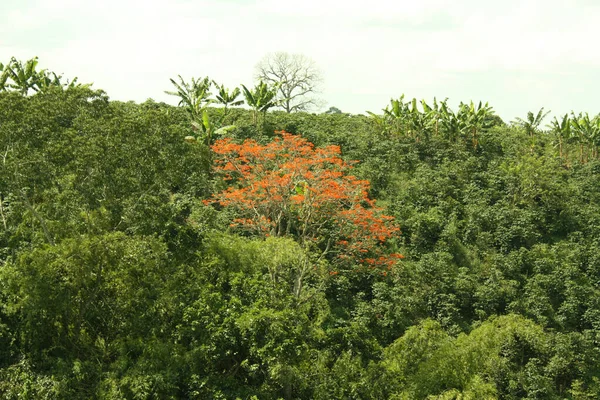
(290, 188)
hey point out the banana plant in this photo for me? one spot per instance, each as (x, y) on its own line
(595, 138)
(227, 98)
(477, 118)
(453, 124)
(532, 123)
(205, 127)
(433, 113)
(50, 79)
(396, 115)
(193, 96)
(24, 77)
(261, 99)
(419, 123)
(562, 129)
(586, 131)
(401, 117)
(596, 135)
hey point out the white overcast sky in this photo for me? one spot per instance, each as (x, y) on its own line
(519, 55)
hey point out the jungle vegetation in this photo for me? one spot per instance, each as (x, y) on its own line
(209, 251)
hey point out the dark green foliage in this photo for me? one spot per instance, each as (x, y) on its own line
(116, 281)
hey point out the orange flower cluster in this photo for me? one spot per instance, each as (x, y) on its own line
(289, 187)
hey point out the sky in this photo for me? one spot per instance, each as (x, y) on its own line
(518, 55)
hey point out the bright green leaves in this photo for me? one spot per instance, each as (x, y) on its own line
(24, 78)
(533, 121)
(405, 119)
(261, 98)
(498, 358)
(228, 98)
(75, 300)
(117, 281)
(195, 97)
(81, 290)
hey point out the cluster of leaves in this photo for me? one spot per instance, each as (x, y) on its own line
(405, 118)
(577, 129)
(195, 97)
(24, 78)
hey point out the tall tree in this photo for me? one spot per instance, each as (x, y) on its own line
(297, 77)
(333, 110)
(288, 188)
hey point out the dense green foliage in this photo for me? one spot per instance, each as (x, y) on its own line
(117, 281)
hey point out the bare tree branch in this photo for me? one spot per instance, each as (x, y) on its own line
(297, 76)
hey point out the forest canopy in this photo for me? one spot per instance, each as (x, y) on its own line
(217, 252)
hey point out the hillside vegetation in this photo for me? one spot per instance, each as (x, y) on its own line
(403, 256)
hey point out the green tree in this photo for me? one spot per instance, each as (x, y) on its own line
(586, 131)
(500, 358)
(261, 99)
(24, 77)
(434, 114)
(333, 110)
(476, 119)
(454, 125)
(227, 98)
(562, 129)
(533, 122)
(194, 96)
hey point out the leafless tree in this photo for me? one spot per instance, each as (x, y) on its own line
(296, 77)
